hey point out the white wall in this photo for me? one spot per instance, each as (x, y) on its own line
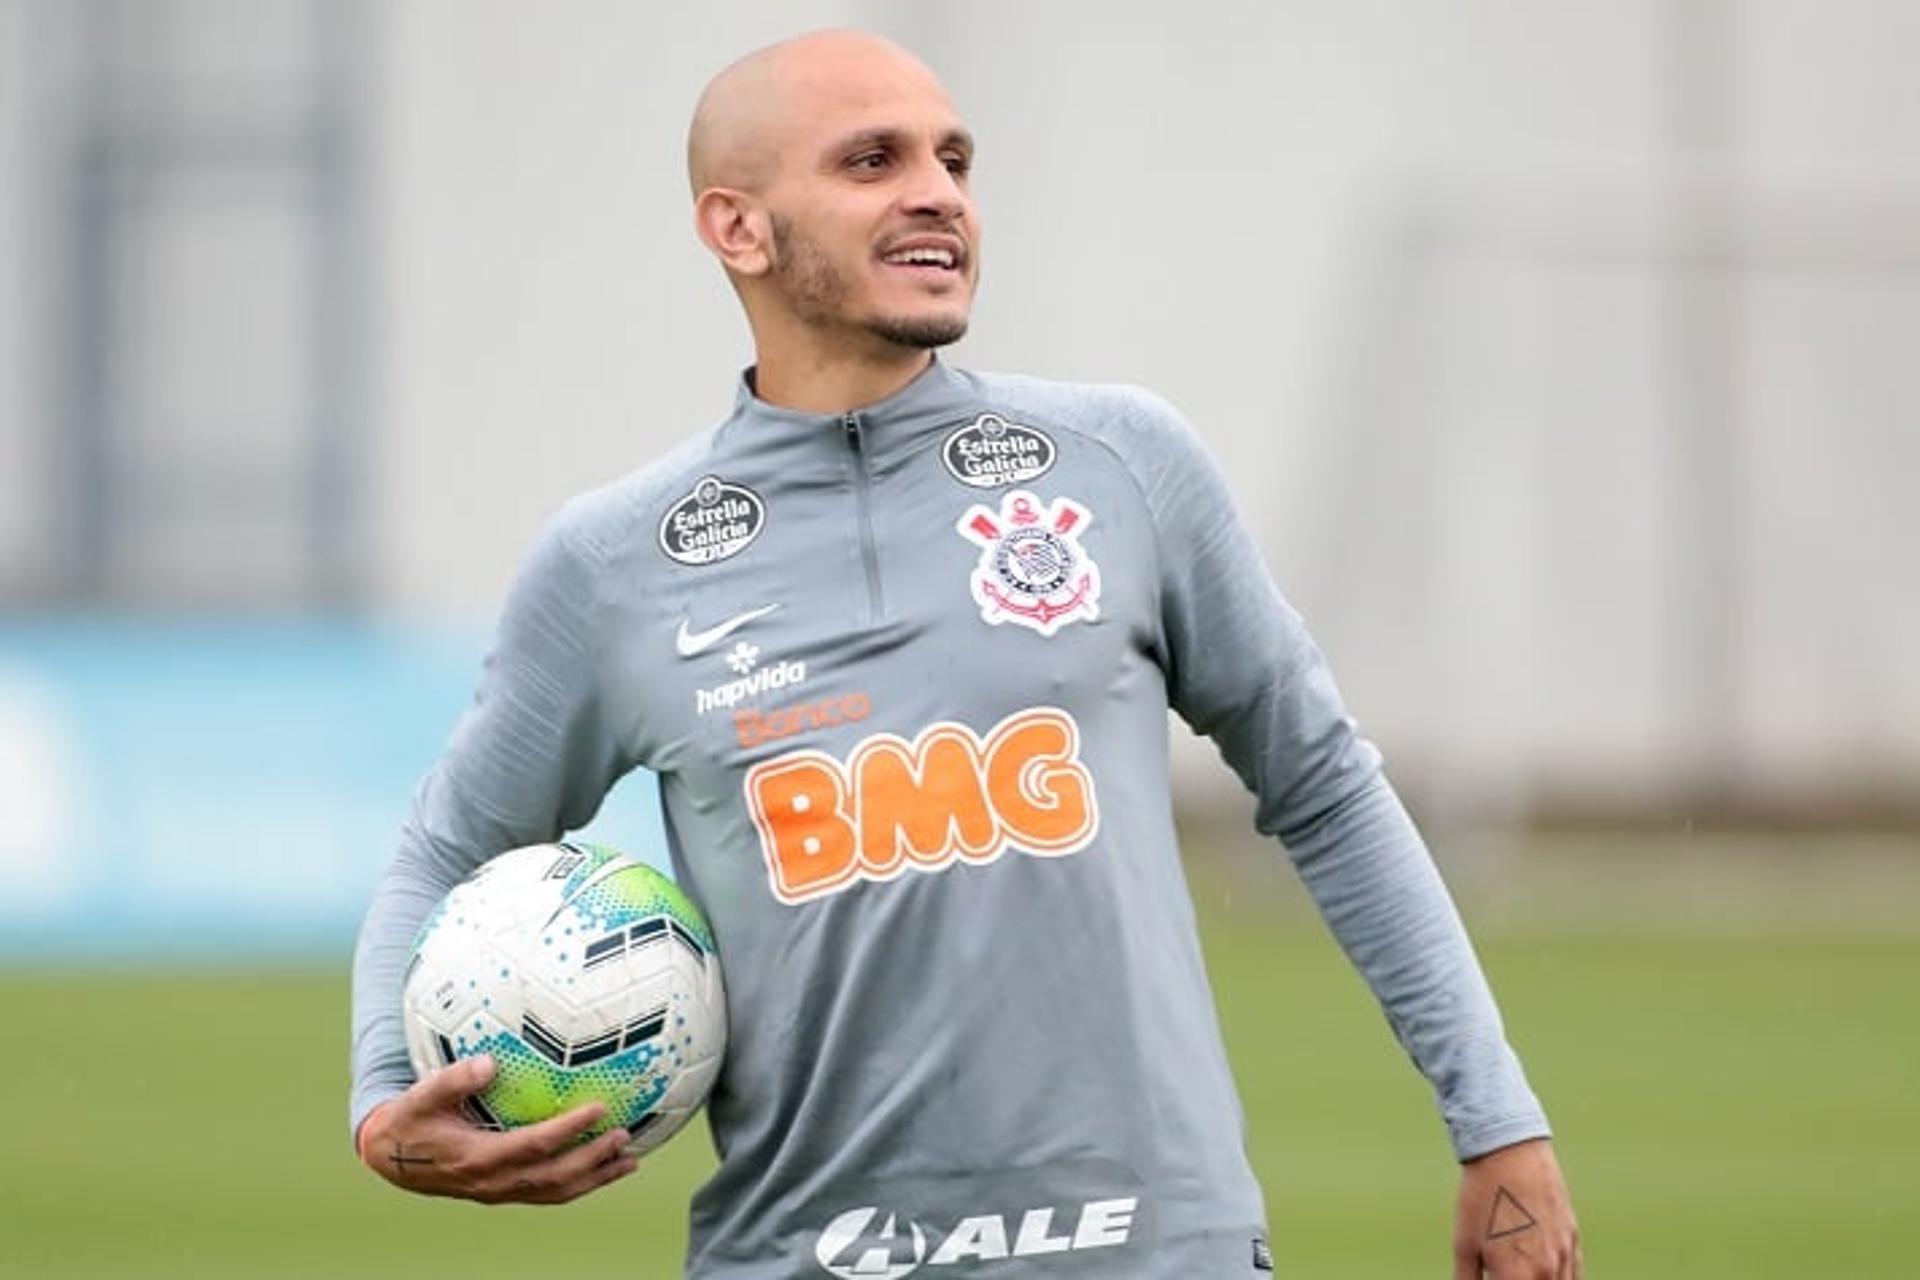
(1168, 201)
(553, 321)
(27, 348)
(1421, 273)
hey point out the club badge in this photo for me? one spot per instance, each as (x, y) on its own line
(717, 520)
(1033, 570)
(990, 452)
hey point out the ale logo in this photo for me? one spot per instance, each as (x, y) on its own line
(850, 1248)
(895, 805)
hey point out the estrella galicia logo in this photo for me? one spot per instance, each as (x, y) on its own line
(717, 520)
(991, 452)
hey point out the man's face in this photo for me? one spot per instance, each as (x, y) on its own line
(874, 227)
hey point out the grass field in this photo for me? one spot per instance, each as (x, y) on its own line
(1727, 1106)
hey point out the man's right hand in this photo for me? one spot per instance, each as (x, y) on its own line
(421, 1141)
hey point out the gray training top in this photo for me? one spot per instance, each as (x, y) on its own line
(903, 674)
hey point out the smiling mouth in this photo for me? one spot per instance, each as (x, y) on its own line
(925, 258)
(921, 258)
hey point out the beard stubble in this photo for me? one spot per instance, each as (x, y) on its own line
(817, 290)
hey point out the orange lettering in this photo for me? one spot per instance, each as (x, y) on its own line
(750, 726)
(796, 803)
(921, 797)
(922, 804)
(753, 726)
(1039, 788)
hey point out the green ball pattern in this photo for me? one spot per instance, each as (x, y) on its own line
(635, 892)
(604, 894)
(528, 1088)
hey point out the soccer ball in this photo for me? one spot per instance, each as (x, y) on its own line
(587, 975)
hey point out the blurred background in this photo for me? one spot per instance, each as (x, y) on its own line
(1561, 355)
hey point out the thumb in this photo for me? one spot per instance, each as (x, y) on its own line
(446, 1087)
(1466, 1262)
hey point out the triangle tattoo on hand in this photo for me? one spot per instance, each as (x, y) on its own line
(1508, 1216)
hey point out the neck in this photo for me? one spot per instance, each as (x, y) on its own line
(815, 381)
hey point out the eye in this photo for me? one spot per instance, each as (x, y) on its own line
(869, 162)
(958, 165)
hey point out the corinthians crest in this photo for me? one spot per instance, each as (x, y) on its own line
(1033, 570)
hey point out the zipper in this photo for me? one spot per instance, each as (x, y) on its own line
(863, 497)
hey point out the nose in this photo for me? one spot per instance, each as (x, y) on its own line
(934, 191)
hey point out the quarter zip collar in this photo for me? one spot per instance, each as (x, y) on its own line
(938, 396)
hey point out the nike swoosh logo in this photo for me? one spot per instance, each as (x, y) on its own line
(688, 643)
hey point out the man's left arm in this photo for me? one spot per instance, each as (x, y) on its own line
(1242, 669)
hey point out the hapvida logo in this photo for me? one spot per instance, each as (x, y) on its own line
(861, 1245)
(720, 697)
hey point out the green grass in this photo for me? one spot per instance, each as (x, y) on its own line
(1723, 1107)
(1726, 1106)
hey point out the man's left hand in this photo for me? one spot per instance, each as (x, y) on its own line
(1515, 1220)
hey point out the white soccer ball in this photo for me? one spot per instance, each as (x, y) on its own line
(587, 975)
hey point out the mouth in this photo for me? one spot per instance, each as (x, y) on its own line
(933, 258)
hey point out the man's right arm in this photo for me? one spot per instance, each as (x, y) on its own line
(530, 759)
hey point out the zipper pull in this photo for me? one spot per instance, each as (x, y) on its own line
(851, 423)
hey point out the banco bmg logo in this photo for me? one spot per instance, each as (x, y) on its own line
(865, 1244)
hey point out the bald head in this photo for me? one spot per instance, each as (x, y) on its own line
(745, 116)
(830, 180)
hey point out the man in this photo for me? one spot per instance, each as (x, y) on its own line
(899, 641)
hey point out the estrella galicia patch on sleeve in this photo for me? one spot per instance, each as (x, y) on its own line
(990, 452)
(1262, 1256)
(1032, 569)
(717, 520)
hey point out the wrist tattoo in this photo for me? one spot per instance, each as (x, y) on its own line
(1508, 1216)
(401, 1159)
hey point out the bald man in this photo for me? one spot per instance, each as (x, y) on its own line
(898, 640)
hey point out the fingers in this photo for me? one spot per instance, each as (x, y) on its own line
(427, 1146)
(612, 1170)
(446, 1088)
(1538, 1261)
(444, 1155)
(551, 1137)
(585, 1168)
(1548, 1250)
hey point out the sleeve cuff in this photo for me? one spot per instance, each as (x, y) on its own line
(1470, 1144)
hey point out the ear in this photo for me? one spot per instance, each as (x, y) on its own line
(734, 226)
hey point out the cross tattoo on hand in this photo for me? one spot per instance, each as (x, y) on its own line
(401, 1159)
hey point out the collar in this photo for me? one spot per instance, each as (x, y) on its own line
(937, 396)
